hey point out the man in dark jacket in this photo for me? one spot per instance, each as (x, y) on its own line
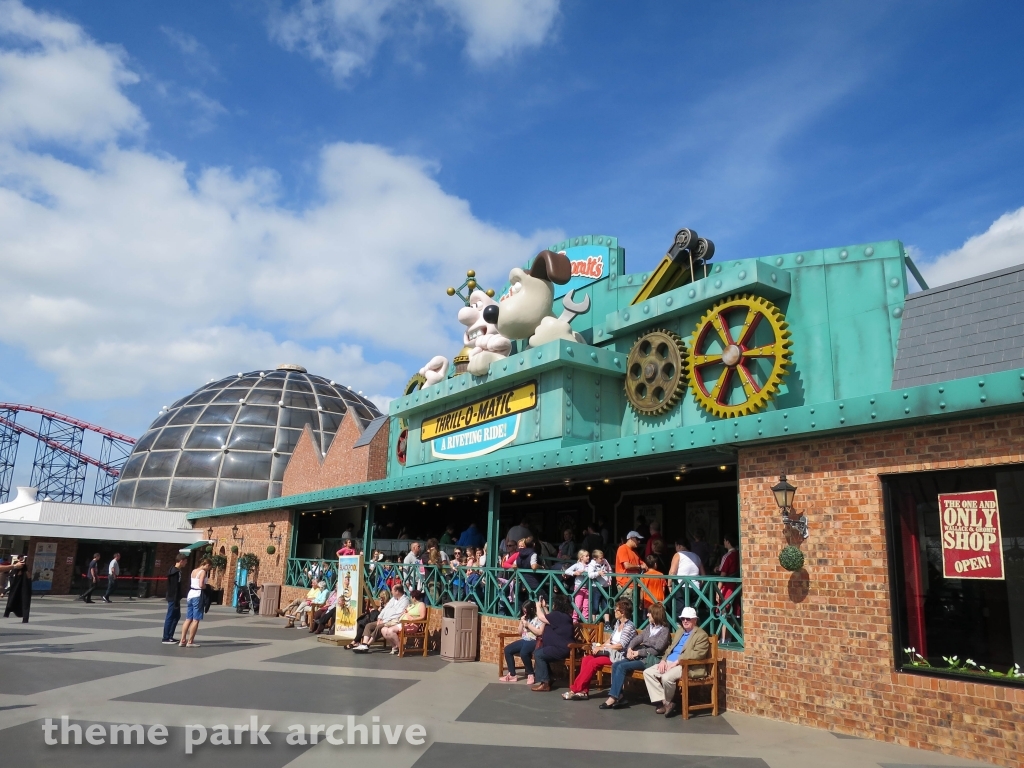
(92, 577)
(174, 590)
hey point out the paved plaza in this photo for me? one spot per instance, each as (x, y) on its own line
(104, 664)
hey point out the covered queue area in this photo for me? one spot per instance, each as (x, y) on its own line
(500, 546)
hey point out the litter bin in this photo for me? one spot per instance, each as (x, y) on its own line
(270, 600)
(459, 631)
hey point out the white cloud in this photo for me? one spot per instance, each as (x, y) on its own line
(497, 28)
(57, 84)
(204, 110)
(130, 274)
(198, 59)
(345, 34)
(998, 247)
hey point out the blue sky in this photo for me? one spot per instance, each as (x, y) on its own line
(194, 188)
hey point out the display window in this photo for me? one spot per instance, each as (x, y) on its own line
(956, 546)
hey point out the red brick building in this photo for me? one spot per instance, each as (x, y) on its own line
(887, 413)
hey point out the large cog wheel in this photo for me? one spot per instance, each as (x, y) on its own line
(740, 352)
(416, 382)
(656, 372)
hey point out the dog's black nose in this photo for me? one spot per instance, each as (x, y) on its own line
(491, 314)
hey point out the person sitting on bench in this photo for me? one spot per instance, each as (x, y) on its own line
(290, 611)
(322, 615)
(369, 616)
(415, 612)
(390, 615)
(304, 614)
(603, 655)
(643, 650)
(688, 642)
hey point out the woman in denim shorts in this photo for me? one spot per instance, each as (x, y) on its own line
(194, 611)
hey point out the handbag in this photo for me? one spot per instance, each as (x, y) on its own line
(650, 660)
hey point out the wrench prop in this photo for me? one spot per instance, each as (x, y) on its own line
(572, 309)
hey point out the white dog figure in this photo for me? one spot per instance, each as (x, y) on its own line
(435, 371)
(485, 343)
(526, 313)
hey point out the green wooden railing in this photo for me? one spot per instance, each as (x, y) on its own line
(501, 592)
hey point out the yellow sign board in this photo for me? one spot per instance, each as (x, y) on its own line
(506, 403)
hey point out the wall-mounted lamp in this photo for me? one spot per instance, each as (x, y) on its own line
(784, 494)
(234, 533)
(270, 530)
(209, 533)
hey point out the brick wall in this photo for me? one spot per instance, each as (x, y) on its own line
(819, 648)
(490, 628)
(377, 468)
(63, 571)
(253, 528)
(343, 464)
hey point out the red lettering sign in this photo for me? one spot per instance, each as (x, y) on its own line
(592, 267)
(972, 542)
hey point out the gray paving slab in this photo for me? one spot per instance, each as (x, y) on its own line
(151, 646)
(445, 755)
(287, 677)
(333, 656)
(29, 635)
(58, 609)
(516, 704)
(281, 691)
(23, 745)
(32, 674)
(100, 622)
(251, 631)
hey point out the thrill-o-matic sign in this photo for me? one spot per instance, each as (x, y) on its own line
(481, 427)
(972, 543)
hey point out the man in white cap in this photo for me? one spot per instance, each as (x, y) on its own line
(688, 642)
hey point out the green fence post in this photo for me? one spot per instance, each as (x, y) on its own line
(493, 522)
(368, 531)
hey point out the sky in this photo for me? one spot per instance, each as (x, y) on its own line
(192, 189)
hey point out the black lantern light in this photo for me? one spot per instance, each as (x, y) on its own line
(785, 493)
(270, 529)
(234, 532)
(209, 533)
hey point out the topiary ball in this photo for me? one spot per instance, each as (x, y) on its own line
(234, 550)
(791, 558)
(271, 549)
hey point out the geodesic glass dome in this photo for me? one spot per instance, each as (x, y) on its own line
(229, 442)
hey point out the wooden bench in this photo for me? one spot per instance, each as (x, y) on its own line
(583, 636)
(405, 634)
(686, 683)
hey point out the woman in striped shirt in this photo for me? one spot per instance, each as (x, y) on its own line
(603, 655)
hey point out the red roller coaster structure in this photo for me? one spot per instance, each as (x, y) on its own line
(60, 465)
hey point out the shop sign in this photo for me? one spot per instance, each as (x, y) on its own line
(496, 407)
(972, 542)
(476, 441)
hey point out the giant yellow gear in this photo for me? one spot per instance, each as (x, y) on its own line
(656, 372)
(416, 382)
(740, 352)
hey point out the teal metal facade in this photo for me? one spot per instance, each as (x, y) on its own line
(842, 306)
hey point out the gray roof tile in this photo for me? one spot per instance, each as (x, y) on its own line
(971, 327)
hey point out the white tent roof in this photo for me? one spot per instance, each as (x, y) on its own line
(27, 516)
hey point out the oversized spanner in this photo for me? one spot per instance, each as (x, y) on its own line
(572, 309)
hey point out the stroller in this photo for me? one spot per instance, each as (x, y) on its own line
(248, 599)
